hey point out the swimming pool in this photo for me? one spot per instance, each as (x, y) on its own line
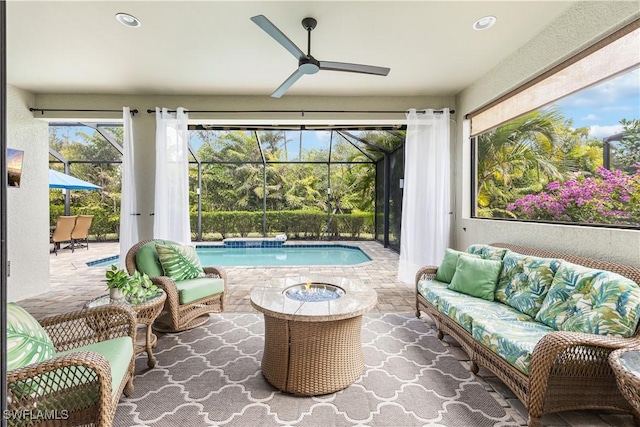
(285, 256)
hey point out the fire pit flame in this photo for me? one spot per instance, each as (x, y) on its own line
(314, 292)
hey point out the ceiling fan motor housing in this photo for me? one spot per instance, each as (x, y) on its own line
(309, 65)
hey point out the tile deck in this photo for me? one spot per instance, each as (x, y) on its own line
(73, 283)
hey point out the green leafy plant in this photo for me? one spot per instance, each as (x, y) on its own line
(136, 289)
(142, 288)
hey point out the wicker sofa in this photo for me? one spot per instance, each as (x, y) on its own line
(554, 368)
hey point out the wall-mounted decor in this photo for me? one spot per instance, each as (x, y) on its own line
(14, 167)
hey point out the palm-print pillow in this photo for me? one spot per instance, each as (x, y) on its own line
(487, 252)
(27, 341)
(525, 281)
(611, 306)
(593, 301)
(179, 262)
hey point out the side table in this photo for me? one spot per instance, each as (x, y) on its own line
(146, 312)
(626, 367)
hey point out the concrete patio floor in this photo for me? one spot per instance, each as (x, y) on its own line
(73, 283)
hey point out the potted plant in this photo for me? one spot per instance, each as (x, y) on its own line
(136, 289)
(118, 283)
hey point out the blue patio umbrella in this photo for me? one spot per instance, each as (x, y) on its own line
(68, 182)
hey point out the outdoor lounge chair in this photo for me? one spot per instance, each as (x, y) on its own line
(189, 301)
(70, 369)
(80, 232)
(62, 232)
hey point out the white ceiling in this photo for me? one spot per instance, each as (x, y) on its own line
(212, 47)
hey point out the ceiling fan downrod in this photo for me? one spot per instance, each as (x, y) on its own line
(309, 24)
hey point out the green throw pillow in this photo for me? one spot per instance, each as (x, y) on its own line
(447, 267)
(179, 262)
(27, 341)
(476, 277)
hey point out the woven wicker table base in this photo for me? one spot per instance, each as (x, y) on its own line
(312, 358)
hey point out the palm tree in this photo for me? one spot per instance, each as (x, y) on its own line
(514, 158)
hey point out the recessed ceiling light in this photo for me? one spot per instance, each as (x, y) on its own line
(484, 23)
(128, 20)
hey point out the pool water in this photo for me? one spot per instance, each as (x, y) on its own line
(288, 255)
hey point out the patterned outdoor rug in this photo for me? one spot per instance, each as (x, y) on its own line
(211, 376)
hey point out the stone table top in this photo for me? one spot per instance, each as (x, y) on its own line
(270, 299)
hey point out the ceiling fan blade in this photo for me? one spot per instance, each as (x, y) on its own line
(354, 68)
(268, 27)
(287, 83)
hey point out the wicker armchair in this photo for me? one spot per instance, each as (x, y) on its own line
(179, 316)
(74, 387)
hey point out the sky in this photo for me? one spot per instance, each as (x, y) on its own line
(602, 106)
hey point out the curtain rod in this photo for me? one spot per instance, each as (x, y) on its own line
(43, 110)
(149, 111)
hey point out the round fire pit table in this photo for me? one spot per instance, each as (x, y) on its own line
(312, 338)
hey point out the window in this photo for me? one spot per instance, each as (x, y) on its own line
(574, 160)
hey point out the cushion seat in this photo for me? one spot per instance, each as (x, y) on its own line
(194, 289)
(463, 309)
(117, 351)
(511, 339)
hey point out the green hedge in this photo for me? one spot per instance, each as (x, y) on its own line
(296, 224)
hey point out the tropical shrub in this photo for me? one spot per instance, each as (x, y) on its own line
(610, 197)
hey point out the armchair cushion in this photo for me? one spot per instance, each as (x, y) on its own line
(193, 289)
(27, 341)
(117, 351)
(147, 260)
(179, 262)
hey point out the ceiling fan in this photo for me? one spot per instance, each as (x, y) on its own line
(307, 64)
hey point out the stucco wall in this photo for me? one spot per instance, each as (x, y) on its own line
(581, 26)
(27, 206)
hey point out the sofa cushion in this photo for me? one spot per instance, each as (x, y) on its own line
(117, 351)
(525, 281)
(477, 277)
(593, 301)
(179, 262)
(431, 290)
(147, 260)
(27, 341)
(512, 340)
(193, 289)
(487, 252)
(448, 265)
(465, 309)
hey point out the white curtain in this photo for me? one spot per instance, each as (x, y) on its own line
(171, 218)
(425, 201)
(128, 202)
